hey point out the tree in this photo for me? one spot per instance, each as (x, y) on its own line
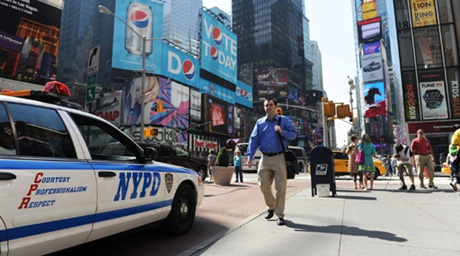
(222, 157)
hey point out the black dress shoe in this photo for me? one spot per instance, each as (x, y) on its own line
(269, 214)
(281, 222)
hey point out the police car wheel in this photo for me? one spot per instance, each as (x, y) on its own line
(182, 213)
(202, 171)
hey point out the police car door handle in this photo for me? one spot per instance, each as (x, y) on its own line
(106, 174)
(7, 176)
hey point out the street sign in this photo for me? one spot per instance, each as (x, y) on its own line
(90, 93)
(91, 88)
(93, 60)
(92, 80)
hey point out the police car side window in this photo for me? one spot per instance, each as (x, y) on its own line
(7, 146)
(41, 132)
(102, 145)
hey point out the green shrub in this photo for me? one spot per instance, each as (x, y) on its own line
(222, 158)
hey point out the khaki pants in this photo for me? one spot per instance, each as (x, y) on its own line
(273, 168)
(422, 161)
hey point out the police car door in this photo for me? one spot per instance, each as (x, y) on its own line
(130, 190)
(47, 189)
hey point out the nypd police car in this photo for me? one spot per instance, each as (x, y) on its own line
(60, 186)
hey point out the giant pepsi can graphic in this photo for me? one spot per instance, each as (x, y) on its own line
(139, 18)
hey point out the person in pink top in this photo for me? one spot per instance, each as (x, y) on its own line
(423, 157)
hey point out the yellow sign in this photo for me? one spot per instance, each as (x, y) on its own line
(423, 13)
(369, 10)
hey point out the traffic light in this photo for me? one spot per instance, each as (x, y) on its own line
(329, 108)
(150, 132)
(158, 106)
(351, 117)
(343, 111)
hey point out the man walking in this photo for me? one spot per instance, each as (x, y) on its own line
(403, 156)
(423, 157)
(272, 164)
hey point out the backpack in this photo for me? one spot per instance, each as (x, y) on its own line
(410, 152)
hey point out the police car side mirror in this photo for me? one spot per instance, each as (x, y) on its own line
(150, 153)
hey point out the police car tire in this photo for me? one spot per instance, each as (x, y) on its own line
(183, 209)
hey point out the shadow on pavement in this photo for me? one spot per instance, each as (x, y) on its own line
(345, 230)
(356, 197)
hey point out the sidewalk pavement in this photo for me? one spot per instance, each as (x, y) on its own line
(383, 221)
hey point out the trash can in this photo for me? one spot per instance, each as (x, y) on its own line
(322, 172)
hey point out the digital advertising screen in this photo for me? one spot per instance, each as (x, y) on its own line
(372, 67)
(272, 83)
(29, 40)
(369, 10)
(145, 18)
(369, 30)
(218, 48)
(374, 98)
(216, 115)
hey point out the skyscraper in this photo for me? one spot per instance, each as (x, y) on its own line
(182, 23)
(317, 66)
(270, 35)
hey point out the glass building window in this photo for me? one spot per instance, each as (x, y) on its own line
(445, 11)
(405, 50)
(427, 47)
(402, 14)
(450, 47)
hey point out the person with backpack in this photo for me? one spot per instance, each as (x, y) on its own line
(403, 157)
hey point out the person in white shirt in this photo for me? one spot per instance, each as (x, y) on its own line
(403, 157)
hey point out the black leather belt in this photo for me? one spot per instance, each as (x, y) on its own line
(272, 154)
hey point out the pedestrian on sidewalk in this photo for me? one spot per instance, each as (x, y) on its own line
(272, 163)
(368, 168)
(394, 162)
(238, 169)
(454, 154)
(423, 157)
(211, 162)
(386, 162)
(403, 156)
(352, 151)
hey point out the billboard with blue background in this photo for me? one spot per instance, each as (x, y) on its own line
(218, 48)
(145, 17)
(179, 66)
(243, 94)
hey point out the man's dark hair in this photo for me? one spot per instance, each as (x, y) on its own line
(274, 101)
(354, 137)
(398, 148)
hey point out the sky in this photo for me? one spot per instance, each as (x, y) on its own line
(331, 26)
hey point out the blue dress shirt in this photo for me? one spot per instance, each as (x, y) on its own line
(266, 138)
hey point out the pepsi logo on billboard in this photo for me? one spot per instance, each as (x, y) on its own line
(217, 36)
(219, 46)
(139, 19)
(180, 63)
(188, 69)
(214, 53)
(240, 92)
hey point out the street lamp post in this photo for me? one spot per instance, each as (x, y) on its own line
(102, 9)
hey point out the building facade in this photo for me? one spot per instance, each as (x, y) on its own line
(182, 23)
(317, 66)
(428, 39)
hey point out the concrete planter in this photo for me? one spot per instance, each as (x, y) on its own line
(222, 174)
